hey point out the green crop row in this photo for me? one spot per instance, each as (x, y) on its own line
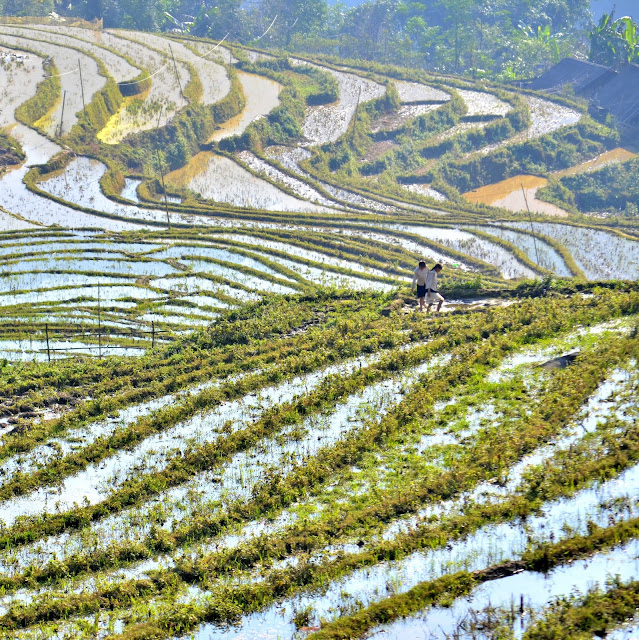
(286, 490)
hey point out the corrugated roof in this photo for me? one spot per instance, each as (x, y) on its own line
(620, 94)
(570, 71)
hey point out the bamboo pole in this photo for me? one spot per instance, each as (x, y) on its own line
(99, 325)
(64, 99)
(177, 75)
(46, 332)
(531, 223)
(84, 106)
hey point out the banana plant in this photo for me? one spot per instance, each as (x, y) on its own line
(614, 41)
(550, 40)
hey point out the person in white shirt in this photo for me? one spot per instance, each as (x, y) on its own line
(432, 295)
(419, 279)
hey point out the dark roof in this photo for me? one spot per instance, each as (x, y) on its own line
(570, 71)
(620, 94)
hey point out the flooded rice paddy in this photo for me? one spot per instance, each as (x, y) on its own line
(535, 249)
(327, 123)
(221, 179)
(19, 77)
(600, 254)
(301, 189)
(262, 96)
(504, 594)
(159, 104)
(117, 65)
(546, 117)
(483, 104)
(213, 76)
(518, 194)
(490, 545)
(466, 242)
(55, 122)
(412, 92)
(260, 465)
(509, 193)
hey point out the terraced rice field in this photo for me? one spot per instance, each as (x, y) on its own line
(53, 122)
(220, 416)
(316, 486)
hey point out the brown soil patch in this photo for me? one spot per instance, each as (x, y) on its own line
(378, 149)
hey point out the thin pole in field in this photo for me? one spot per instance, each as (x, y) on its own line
(46, 333)
(177, 75)
(84, 106)
(152, 334)
(359, 95)
(99, 325)
(157, 155)
(64, 99)
(166, 202)
(531, 223)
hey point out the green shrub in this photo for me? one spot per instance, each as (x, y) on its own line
(558, 150)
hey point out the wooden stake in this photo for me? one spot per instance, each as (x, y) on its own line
(157, 154)
(46, 332)
(166, 202)
(531, 223)
(84, 106)
(359, 95)
(177, 75)
(64, 99)
(99, 325)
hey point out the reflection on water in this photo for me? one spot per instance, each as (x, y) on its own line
(221, 179)
(262, 96)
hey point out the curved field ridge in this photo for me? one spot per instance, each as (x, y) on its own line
(66, 61)
(219, 178)
(412, 92)
(163, 100)
(328, 122)
(286, 183)
(215, 82)
(20, 73)
(118, 67)
(262, 96)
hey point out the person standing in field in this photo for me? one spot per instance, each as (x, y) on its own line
(432, 295)
(419, 279)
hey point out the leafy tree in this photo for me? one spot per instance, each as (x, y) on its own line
(215, 18)
(505, 39)
(371, 29)
(147, 15)
(26, 7)
(290, 17)
(613, 42)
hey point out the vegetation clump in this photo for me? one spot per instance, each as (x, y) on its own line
(10, 151)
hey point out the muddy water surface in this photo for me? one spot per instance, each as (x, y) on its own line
(609, 157)
(509, 194)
